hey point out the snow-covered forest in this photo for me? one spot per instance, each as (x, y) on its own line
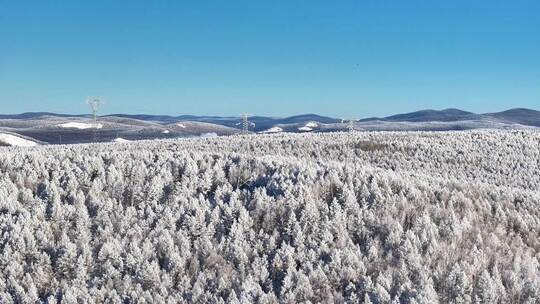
(382, 217)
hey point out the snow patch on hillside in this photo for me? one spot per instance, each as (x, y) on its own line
(273, 130)
(209, 135)
(181, 125)
(16, 141)
(80, 125)
(121, 140)
(305, 129)
(312, 125)
(166, 132)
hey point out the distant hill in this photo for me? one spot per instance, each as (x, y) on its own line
(308, 118)
(429, 115)
(54, 128)
(261, 122)
(519, 115)
(433, 115)
(34, 115)
(60, 129)
(522, 116)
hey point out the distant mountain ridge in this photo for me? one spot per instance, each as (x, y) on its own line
(429, 115)
(260, 122)
(34, 115)
(523, 116)
(52, 128)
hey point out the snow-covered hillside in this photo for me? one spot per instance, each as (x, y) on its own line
(13, 140)
(378, 217)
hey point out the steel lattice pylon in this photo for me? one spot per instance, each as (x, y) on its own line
(246, 124)
(95, 103)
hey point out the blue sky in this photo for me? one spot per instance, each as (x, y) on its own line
(337, 58)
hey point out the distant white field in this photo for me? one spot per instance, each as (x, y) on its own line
(305, 129)
(121, 140)
(80, 125)
(208, 135)
(13, 140)
(273, 130)
(312, 124)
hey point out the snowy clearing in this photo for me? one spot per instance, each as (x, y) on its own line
(273, 130)
(305, 129)
(209, 135)
(312, 124)
(121, 140)
(80, 125)
(181, 125)
(12, 140)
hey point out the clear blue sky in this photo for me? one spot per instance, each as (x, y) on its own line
(338, 58)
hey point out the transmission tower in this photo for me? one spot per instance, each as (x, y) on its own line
(246, 124)
(350, 124)
(95, 103)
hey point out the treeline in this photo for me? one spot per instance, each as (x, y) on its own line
(448, 217)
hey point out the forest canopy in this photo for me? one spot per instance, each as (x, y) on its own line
(382, 217)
